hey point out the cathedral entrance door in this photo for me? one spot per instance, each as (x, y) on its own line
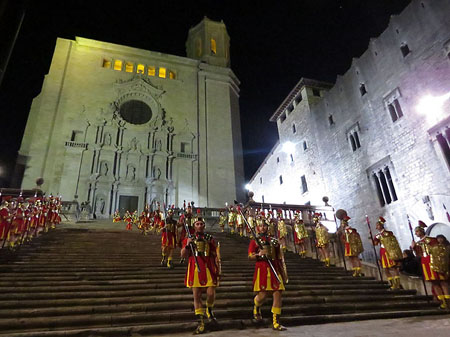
(128, 203)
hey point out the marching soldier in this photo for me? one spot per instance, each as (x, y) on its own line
(203, 271)
(435, 263)
(390, 253)
(231, 219)
(239, 221)
(300, 235)
(353, 245)
(116, 216)
(168, 238)
(322, 239)
(186, 220)
(282, 230)
(222, 221)
(128, 220)
(5, 220)
(251, 222)
(265, 250)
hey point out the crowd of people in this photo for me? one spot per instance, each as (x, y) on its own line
(268, 242)
(22, 219)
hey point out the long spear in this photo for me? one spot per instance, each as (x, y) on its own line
(260, 247)
(412, 236)
(374, 250)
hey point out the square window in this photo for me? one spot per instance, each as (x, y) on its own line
(140, 69)
(316, 92)
(162, 72)
(129, 67)
(118, 65)
(106, 63)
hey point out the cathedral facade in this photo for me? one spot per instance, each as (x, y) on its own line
(119, 127)
(377, 141)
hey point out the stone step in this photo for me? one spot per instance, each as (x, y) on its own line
(174, 327)
(185, 315)
(303, 297)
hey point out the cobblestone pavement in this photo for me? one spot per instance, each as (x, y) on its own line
(427, 326)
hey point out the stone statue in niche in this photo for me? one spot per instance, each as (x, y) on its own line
(104, 168)
(100, 206)
(131, 173)
(133, 144)
(156, 172)
(158, 145)
(107, 139)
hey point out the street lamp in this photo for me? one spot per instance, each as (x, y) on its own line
(247, 187)
(288, 147)
(431, 107)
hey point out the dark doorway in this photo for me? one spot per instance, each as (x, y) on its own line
(128, 203)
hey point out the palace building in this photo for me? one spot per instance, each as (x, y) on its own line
(119, 127)
(377, 141)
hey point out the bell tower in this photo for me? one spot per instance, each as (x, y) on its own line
(209, 42)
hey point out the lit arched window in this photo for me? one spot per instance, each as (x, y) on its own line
(140, 69)
(118, 65)
(129, 67)
(151, 71)
(213, 47)
(162, 72)
(171, 75)
(106, 63)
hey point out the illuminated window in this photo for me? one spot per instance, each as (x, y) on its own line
(118, 65)
(162, 72)
(213, 47)
(140, 69)
(151, 71)
(129, 67)
(171, 75)
(198, 47)
(106, 63)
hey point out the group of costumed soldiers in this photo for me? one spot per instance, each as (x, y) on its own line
(22, 219)
(268, 242)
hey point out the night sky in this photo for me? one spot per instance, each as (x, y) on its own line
(273, 45)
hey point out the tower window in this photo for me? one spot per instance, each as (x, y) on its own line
(281, 180)
(162, 72)
(292, 158)
(140, 69)
(362, 89)
(354, 139)
(316, 92)
(298, 99)
(384, 184)
(278, 160)
(294, 129)
(304, 185)
(282, 117)
(405, 50)
(260, 180)
(305, 145)
(106, 63)
(444, 142)
(330, 120)
(151, 71)
(184, 147)
(118, 65)
(395, 110)
(172, 75)
(129, 67)
(213, 47)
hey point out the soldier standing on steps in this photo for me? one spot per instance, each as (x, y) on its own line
(353, 245)
(300, 235)
(264, 279)
(322, 238)
(203, 271)
(168, 238)
(435, 263)
(390, 253)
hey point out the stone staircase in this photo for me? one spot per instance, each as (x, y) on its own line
(78, 282)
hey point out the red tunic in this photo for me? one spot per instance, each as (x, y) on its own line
(4, 224)
(168, 233)
(262, 268)
(207, 264)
